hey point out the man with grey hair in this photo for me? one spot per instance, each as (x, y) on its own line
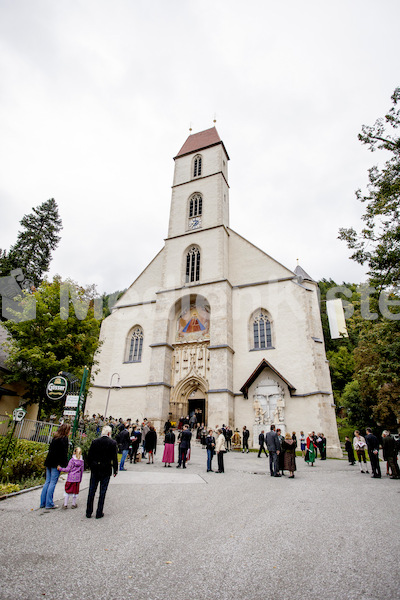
(390, 453)
(102, 459)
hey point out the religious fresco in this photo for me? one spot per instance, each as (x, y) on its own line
(193, 323)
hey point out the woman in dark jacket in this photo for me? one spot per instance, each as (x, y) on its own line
(151, 444)
(57, 455)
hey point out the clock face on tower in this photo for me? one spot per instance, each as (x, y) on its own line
(195, 223)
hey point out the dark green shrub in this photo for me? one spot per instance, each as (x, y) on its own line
(25, 459)
(22, 467)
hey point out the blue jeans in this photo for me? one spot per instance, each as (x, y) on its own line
(210, 454)
(46, 497)
(123, 458)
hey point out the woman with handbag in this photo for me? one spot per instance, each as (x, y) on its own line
(220, 450)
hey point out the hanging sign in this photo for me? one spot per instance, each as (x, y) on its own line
(69, 413)
(71, 401)
(56, 388)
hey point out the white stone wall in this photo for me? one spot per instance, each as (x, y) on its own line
(236, 279)
(212, 185)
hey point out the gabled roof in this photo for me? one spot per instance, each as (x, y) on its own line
(200, 141)
(264, 364)
(301, 273)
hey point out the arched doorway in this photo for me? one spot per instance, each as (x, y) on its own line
(189, 397)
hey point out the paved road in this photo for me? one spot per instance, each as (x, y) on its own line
(331, 533)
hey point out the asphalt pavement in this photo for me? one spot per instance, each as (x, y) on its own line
(171, 534)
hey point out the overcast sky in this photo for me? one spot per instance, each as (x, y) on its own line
(96, 97)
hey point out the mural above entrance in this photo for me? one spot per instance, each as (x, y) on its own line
(193, 323)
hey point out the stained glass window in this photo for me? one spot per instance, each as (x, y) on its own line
(262, 337)
(136, 345)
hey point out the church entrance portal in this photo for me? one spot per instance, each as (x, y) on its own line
(197, 406)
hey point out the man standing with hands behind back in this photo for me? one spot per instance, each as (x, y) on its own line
(373, 451)
(102, 459)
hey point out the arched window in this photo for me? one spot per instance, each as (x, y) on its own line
(262, 337)
(195, 205)
(197, 164)
(193, 265)
(135, 345)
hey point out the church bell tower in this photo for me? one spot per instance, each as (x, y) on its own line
(200, 191)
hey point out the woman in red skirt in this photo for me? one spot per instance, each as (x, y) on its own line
(169, 448)
(75, 471)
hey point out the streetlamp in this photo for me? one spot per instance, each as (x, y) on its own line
(116, 386)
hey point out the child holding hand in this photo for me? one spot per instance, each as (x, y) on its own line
(75, 471)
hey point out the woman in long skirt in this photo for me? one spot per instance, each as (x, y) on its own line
(169, 448)
(310, 452)
(289, 446)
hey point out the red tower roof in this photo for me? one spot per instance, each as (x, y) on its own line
(201, 140)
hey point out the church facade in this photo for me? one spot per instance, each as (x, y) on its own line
(214, 325)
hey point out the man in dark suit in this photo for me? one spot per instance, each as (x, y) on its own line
(102, 459)
(274, 448)
(390, 453)
(261, 441)
(373, 451)
(184, 446)
(246, 435)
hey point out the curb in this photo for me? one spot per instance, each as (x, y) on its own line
(20, 492)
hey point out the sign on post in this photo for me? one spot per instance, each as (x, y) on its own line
(71, 401)
(19, 414)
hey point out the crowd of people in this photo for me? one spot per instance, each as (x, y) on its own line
(370, 443)
(136, 441)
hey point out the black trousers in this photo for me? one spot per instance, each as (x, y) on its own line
(220, 458)
(182, 456)
(262, 449)
(394, 467)
(374, 458)
(350, 455)
(246, 444)
(133, 451)
(94, 482)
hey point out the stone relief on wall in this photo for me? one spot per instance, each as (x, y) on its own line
(269, 408)
(190, 359)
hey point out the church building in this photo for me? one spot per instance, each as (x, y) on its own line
(214, 325)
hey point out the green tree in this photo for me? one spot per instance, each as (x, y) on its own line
(377, 365)
(377, 355)
(56, 340)
(341, 364)
(378, 243)
(35, 243)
